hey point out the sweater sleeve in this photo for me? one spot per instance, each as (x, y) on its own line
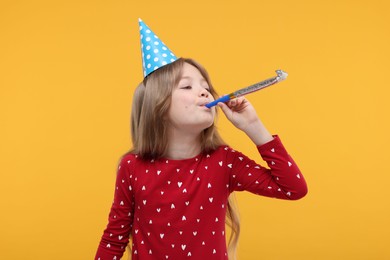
(116, 235)
(282, 179)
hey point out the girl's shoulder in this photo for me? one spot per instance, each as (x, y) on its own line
(225, 148)
(221, 150)
(128, 158)
(228, 153)
(133, 158)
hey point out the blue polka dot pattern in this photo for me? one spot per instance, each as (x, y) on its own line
(155, 54)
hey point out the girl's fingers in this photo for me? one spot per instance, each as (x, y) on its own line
(225, 108)
(232, 103)
(237, 104)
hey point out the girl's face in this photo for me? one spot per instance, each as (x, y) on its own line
(187, 110)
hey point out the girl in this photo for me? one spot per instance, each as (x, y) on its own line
(172, 190)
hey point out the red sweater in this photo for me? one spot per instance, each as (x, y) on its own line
(175, 209)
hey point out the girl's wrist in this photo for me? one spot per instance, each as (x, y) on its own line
(258, 133)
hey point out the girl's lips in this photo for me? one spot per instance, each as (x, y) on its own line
(202, 104)
(203, 107)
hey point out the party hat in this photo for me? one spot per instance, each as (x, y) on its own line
(155, 54)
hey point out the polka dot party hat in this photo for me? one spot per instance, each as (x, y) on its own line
(155, 54)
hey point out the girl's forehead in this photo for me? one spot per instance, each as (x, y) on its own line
(201, 78)
(191, 72)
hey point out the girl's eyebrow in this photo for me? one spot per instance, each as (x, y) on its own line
(202, 80)
(188, 77)
(185, 77)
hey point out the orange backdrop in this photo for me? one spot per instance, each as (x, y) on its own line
(68, 70)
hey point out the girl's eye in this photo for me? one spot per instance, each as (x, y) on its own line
(187, 87)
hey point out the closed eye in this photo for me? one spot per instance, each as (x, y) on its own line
(187, 87)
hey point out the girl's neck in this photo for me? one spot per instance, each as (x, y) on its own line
(183, 145)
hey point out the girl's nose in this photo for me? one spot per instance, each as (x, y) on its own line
(204, 93)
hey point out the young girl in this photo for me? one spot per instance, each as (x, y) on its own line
(172, 189)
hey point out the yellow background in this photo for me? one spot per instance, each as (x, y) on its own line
(67, 73)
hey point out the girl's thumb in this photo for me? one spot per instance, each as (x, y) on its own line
(224, 108)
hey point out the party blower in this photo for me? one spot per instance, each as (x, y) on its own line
(281, 75)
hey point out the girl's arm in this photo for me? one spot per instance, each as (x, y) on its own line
(283, 178)
(116, 235)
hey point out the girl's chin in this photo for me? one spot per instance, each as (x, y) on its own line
(203, 126)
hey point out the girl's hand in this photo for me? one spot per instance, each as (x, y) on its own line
(242, 114)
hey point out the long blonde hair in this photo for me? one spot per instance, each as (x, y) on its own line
(149, 125)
